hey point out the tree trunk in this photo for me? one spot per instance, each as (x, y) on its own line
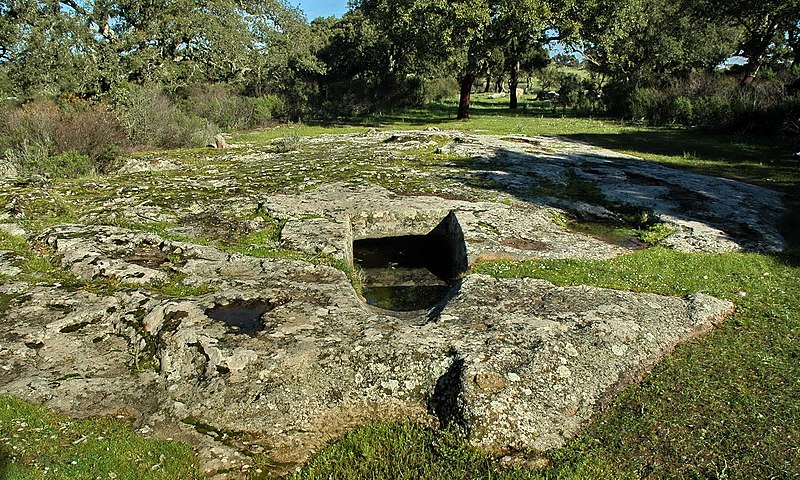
(498, 85)
(513, 82)
(755, 49)
(488, 84)
(466, 92)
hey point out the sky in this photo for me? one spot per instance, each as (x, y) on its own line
(321, 8)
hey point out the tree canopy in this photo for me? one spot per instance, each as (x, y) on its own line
(88, 46)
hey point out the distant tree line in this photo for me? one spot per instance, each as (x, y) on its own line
(169, 72)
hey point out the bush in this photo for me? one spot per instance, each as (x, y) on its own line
(682, 111)
(791, 123)
(151, 119)
(570, 91)
(710, 101)
(438, 89)
(220, 105)
(713, 112)
(69, 164)
(93, 132)
(647, 104)
(42, 137)
(266, 109)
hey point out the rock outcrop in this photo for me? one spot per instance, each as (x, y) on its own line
(265, 360)
(518, 364)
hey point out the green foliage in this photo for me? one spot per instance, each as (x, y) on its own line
(268, 108)
(640, 42)
(570, 91)
(290, 143)
(647, 104)
(682, 110)
(764, 28)
(220, 105)
(712, 102)
(64, 165)
(437, 90)
(152, 119)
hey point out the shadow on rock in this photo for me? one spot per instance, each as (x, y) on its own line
(447, 402)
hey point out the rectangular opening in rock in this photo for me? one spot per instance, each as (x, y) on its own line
(411, 272)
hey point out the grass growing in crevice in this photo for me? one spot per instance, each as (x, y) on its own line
(411, 451)
(628, 224)
(36, 444)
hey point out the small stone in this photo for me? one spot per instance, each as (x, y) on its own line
(564, 372)
(513, 377)
(571, 350)
(219, 142)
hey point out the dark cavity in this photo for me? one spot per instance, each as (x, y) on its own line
(244, 316)
(412, 272)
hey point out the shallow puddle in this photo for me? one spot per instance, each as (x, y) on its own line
(242, 316)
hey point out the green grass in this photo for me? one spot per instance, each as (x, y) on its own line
(37, 444)
(723, 406)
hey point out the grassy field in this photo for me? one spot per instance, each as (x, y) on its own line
(723, 406)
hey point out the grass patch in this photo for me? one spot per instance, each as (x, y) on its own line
(410, 451)
(35, 443)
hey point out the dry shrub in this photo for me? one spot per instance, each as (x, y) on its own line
(151, 119)
(36, 132)
(94, 132)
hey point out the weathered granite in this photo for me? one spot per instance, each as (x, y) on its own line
(518, 364)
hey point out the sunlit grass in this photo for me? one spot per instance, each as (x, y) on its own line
(37, 444)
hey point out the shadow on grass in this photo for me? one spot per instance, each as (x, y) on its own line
(5, 461)
(445, 113)
(761, 160)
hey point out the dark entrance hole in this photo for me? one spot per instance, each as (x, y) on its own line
(411, 272)
(244, 316)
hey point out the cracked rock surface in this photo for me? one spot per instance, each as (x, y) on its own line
(267, 359)
(516, 363)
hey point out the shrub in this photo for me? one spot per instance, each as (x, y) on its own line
(570, 91)
(682, 110)
(69, 164)
(266, 109)
(220, 105)
(151, 119)
(41, 137)
(713, 112)
(647, 104)
(92, 131)
(438, 89)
